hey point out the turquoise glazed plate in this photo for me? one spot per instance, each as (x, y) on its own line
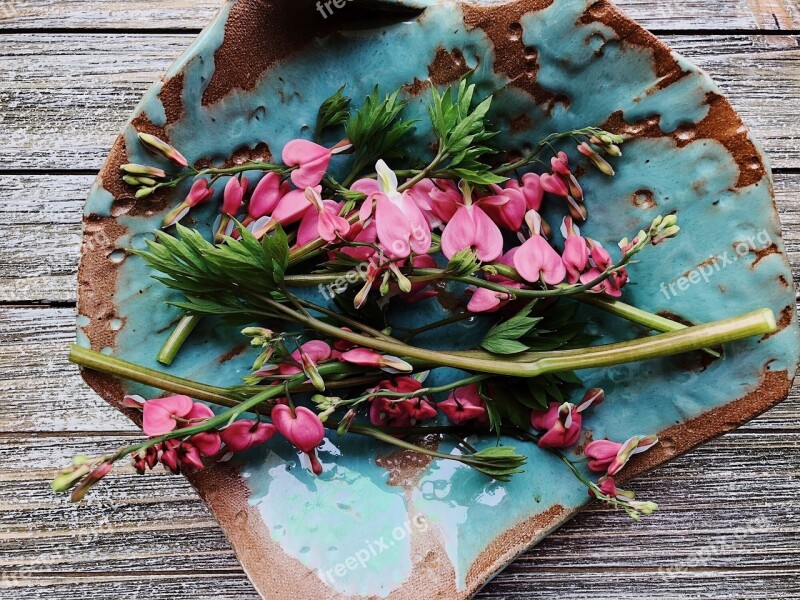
(383, 524)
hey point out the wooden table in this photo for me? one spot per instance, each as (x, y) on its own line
(70, 73)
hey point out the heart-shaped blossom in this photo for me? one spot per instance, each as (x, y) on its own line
(244, 434)
(576, 251)
(536, 260)
(302, 428)
(610, 457)
(486, 300)
(311, 161)
(531, 189)
(401, 226)
(366, 357)
(472, 228)
(162, 415)
(465, 405)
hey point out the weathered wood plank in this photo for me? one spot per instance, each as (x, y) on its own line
(147, 527)
(179, 14)
(68, 121)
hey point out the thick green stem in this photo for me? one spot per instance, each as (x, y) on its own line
(535, 364)
(177, 338)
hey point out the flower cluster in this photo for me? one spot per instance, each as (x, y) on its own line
(465, 217)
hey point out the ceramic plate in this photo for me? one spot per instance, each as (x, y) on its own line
(385, 524)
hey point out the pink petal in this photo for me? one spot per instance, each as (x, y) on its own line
(536, 259)
(303, 429)
(420, 229)
(291, 207)
(484, 300)
(159, 414)
(265, 197)
(393, 228)
(311, 160)
(488, 240)
(459, 232)
(207, 442)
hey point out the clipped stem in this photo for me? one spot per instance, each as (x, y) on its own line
(176, 339)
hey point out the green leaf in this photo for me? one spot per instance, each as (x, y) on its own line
(503, 346)
(334, 111)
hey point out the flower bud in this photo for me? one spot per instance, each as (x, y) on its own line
(144, 170)
(144, 192)
(161, 147)
(598, 161)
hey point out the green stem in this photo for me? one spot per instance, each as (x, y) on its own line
(440, 155)
(535, 364)
(177, 338)
(636, 315)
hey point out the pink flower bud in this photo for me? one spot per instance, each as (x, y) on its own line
(234, 194)
(266, 196)
(199, 193)
(576, 251)
(161, 147)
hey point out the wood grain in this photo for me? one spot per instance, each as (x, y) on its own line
(70, 73)
(66, 96)
(182, 14)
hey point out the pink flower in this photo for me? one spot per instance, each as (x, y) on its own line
(394, 412)
(302, 428)
(199, 193)
(401, 226)
(207, 442)
(561, 424)
(471, 227)
(465, 405)
(265, 198)
(536, 260)
(292, 206)
(602, 261)
(531, 189)
(311, 160)
(189, 455)
(576, 251)
(367, 357)
(484, 300)
(330, 226)
(244, 434)
(161, 415)
(316, 351)
(611, 457)
(444, 199)
(418, 409)
(233, 195)
(506, 207)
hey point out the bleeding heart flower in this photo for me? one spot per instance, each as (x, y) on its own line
(465, 405)
(561, 424)
(266, 195)
(316, 350)
(161, 415)
(506, 207)
(244, 434)
(471, 227)
(393, 412)
(484, 300)
(311, 160)
(611, 457)
(207, 442)
(330, 226)
(576, 252)
(367, 357)
(198, 194)
(233, 195)
(401, 226)
(536, 260)
(302, 428)
(531, 189)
